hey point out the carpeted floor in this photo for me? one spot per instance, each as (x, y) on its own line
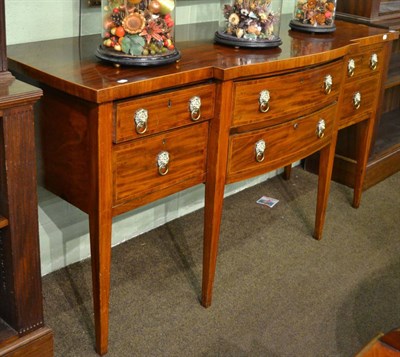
(277, 291)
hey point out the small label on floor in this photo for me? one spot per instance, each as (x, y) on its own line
(267, 201)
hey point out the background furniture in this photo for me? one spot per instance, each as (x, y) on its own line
(117, 138)
(384, 158)
(22, 331)
(382, 345)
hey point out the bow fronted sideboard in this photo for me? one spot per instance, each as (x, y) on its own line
(116, 138)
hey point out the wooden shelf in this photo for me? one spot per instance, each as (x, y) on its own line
(388, 134)
(393, 76)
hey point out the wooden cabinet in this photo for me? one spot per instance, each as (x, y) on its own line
(109, 147)
(22, 330)
(384, 158)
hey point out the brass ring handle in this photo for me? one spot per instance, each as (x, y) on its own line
(141, 117)
(351, 67)
(260, 150)
(373, 62)
(357, 100)
(263, 101)
(321, 126)
(162, 162)
(328, 83)
(194, 108)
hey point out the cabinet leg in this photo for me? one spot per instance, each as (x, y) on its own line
(327, 155)
(215, 184)
(100, 219)
(287, 172)
(212, 223)
(364, 136)
(100, 246)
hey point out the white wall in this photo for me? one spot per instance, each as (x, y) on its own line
(63, 229)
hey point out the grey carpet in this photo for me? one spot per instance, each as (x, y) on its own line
(277, 291)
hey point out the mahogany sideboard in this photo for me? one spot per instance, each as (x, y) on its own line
(115, 138)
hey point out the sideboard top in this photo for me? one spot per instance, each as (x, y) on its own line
(70, 64)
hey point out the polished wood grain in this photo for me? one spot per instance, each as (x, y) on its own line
(39, 343)
(215, 183)
(93, 159)
(373, 11)
(72, 67)
(165, 110)
(21, 308)
(384, 159)
(285, 103)
(135, 170)
(100, 217)
(285, 143)
(382, 345)
(369, 90)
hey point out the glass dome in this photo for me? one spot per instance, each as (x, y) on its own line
(250, 23)
(314, 16)
(138, 32)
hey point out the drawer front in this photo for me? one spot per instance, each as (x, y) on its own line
(284, 144)
(359, 99)
(162, 112)
(368, 61)
(290, 95)
(140, 169)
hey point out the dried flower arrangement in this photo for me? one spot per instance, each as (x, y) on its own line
(139, 27)
(251, 20)
(315, 12)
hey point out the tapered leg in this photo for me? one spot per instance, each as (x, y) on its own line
(100, 219)
(327, 155)
(100, 246)
(215, 183)
(364, 136)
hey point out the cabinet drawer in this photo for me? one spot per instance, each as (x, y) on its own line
(367, 91)
(367, 61)
(284, 143)
(291, 95)
(161, 112)
(136, 167)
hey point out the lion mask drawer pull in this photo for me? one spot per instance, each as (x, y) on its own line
(328, 83)
(260, 150)
(195, 108)
(264, 101)
(357, 100)
(373, 62)
(321, 126)
(141, 116)
(162, 162)
(351, 67)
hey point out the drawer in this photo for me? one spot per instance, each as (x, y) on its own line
(367, 61)
(155, 113)
(284, 144)
(140, 169)
(291, 95)
(359, 99)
